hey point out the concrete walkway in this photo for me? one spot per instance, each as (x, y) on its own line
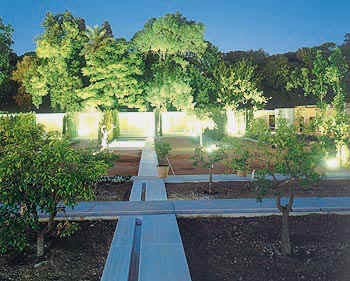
(145, 247)
(341, 175)
(233, 207)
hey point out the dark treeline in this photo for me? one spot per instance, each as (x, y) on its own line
(76, 67)
(275, 71)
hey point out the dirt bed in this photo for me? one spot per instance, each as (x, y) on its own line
(127, 164)
(112, 192)
(183, 165)
(248, 249)
(79, 258)
(230, 190)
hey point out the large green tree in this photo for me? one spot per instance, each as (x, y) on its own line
(238, 86)
(37, 173)
(171, 34)
(59, 74)
(24, 74)
(113, 70)
(8, 60)
(284, 162)
(168, 44)
(5, 50)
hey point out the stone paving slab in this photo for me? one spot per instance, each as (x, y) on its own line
(119, 255)
(151, 249)
(233, 177)
(218, 206)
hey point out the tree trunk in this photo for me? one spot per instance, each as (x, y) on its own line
(285, 237)
(40, 244)
(160, 124)
(210, 177)
(201, 137)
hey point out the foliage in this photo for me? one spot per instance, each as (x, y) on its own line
(238, 86)
(38, 172)
(113, 70)
(258, 128)
(171, 34)
(218, 132)
(12, 230)
(241, 161)
(70, 125)
(26, 69)
(162, 149)
(169, 44)
(110, 119)
(59, 73)
(169, 88)
(106, 157)
(284, 160)
(326, 82)
(205, 158)
(5, 50)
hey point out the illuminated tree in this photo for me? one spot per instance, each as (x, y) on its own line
(167, 44)
(59, 74)
(238, 86)
(37, 173)
(5, 50)
(284, 161)
(207, 157)
(114, 72)
(171, 35)
(326, 82)
(26, 69)
(338, 124)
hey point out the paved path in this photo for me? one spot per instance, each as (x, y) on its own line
(343, 175)
(144, 247)
(234, 207)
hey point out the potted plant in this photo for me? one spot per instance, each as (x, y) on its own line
(162, 150)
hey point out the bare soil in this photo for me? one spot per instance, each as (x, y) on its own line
(79, 258)
(112, 191)
(248, 249)
(231, 190)
(127, 164)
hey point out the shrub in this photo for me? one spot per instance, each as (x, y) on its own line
(219, 131)
(110, 119)
(257, 129)
(37, 173)
(162, 150)
(70, 125)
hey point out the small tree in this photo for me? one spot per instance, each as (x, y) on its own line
(207, 157)
(284, 161)
(37, 173)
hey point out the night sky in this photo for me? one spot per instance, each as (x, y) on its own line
(275, 26)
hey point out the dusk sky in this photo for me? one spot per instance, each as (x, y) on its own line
(275, 26)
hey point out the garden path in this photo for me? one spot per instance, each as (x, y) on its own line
(146, 247)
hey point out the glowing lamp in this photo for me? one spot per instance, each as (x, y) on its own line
(211, 148)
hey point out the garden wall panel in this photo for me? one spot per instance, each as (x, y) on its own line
(236, 123)
(51, 121)
(179, 124)
(137, 124)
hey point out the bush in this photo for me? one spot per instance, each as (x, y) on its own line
(219, 132)
(110, 119)
(70, 125)
(37, 173)
(257, 129)
(162, 150)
